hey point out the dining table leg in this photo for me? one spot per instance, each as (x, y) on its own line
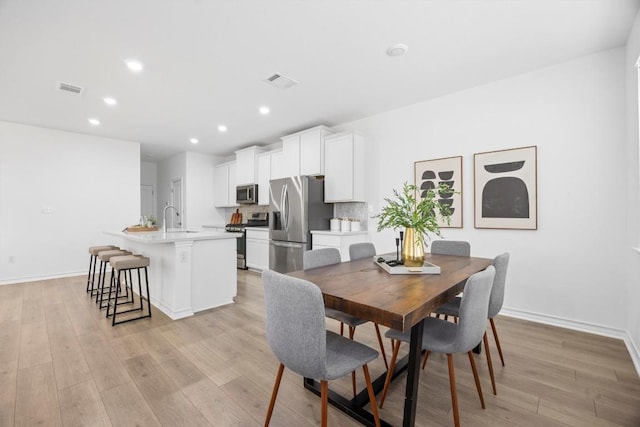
(413, 375)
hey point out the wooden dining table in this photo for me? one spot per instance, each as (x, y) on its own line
(398, 301)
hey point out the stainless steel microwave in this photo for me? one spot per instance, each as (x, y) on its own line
(247, 194)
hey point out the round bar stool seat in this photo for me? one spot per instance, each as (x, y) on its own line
(93, 260)
(125, 264)
(104, 257)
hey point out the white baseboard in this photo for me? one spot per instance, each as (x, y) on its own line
(43, 277)
(633, 352)
(579, 326)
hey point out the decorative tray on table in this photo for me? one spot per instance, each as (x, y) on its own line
(391, 266)
(139, 228)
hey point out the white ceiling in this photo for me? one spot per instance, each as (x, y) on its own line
(206, 60)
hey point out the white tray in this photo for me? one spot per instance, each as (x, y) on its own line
(427, 267)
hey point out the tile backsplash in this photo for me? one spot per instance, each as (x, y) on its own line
(353, 210)
(246, 210)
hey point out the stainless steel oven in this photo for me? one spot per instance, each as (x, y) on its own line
(258, 219)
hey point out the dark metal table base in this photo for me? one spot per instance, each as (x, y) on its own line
(355, 407)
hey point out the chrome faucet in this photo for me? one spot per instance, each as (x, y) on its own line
(164, 216)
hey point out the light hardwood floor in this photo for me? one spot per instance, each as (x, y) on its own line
(61, 363)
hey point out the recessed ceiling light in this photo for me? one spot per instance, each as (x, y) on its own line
(222, 128)
(397, 49)
(264, 110)
(110, 101)
(193, 140)
(94, 122)
(134, 65)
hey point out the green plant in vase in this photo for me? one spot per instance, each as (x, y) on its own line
(419, 218)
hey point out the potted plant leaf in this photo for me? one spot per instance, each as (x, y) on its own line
(419, 218)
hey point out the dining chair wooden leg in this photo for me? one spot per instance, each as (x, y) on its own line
(384, 354)
(489, 363)
(341, 329)
(424, 361)
(274, 394)
(472, 360)
(352, 331)
(454, 394)
(495, 336)
(372, 395)
(392, 365)
(324, 397)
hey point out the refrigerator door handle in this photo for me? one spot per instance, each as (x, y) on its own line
(287, 245)
(285, 207)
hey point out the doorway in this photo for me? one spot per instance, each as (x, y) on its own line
(147, 205)
(176, 200)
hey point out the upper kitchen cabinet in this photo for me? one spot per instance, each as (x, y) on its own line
(247, 165)
(269, 167)
(344, 168)
(303, 152)
(224, 185)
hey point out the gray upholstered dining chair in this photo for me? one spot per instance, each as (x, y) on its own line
(441, 336)
(320, 258)
(451, 247)
(452, 308)
(361, 251)
(329, 256)
(296, 333)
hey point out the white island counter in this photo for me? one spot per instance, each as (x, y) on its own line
(190, 271)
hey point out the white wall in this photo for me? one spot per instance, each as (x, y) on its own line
(169, 170)
(571, 270)
(88, 184)
(200, 191)
(633, 194)
(196, 172)
(149, 176)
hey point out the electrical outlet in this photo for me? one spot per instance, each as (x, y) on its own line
(183, 256)
(12, 259)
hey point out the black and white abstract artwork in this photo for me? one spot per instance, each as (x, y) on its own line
(429, 174)
(506, 191)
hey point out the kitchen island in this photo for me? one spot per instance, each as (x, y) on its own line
(190, 271)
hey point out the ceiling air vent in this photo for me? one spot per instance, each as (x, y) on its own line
(68, 87)
(280, 81)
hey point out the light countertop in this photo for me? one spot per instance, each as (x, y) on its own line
(172, 236)
(339, 233)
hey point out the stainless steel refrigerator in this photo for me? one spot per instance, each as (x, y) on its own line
(296, 206)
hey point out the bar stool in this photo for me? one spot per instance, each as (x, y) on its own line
(104, 257)
(93, 260)
(124, 264)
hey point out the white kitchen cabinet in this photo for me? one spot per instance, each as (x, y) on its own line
(257, 248)
(269, 167)
(338, 240)
(247, 165)
(303, 152)
(291, 155)
(277, 165)
(344, 168)
(224, 185)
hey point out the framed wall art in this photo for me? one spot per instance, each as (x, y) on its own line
(506, 193)
(430, 173)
